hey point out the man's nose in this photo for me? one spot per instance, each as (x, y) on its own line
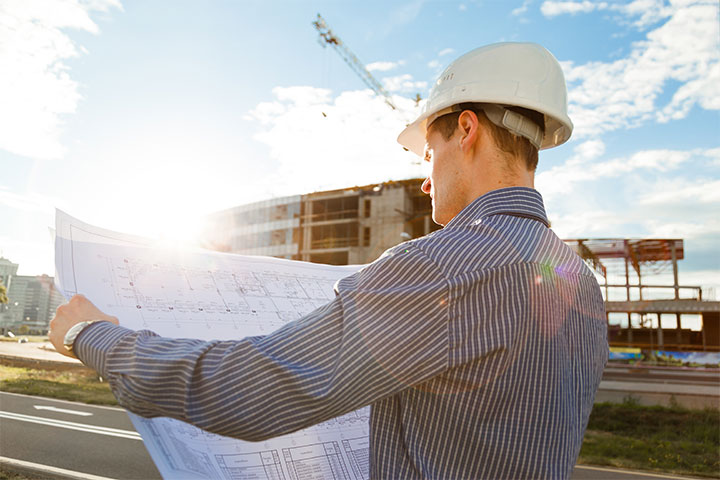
(426, 186)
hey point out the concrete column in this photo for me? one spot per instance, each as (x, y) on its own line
(627, 297)
(673, 256)
(661, 341)
(607, 291)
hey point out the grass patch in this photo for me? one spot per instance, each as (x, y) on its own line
(9, 474)
(77, 385)
(666, 439)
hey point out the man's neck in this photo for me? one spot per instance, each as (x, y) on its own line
(503, 179)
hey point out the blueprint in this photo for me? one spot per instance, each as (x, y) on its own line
(209, 295)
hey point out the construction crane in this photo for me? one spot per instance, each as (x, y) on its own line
(330, 38)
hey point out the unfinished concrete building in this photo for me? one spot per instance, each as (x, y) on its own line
(340, 227)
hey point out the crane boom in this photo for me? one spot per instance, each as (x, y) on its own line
(330, 38)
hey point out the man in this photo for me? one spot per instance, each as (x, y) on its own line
(480, 347)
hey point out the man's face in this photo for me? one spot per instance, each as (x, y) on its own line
(448, 180)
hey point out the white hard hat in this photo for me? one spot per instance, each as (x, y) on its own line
(522, 75)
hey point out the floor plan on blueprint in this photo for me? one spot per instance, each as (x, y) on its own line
(208, 295)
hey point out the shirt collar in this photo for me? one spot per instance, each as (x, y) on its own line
(516, 201)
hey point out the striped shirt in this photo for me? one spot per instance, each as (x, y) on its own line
(479, 347)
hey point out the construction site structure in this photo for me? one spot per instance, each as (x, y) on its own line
(327, 37)
(339, 227)
(653, 311)
(356, 225)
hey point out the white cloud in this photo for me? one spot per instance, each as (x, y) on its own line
(522, 8)
(383, 66)
(700, 229)
(39, 90)
(649, 11)
(585, 165)
(671, 191)
(446, 51)
(685, 50)
(346, 140)
(29, 202)
(657, 160)
(590, 149)
(403, 83)
(302, 96)
(714, 155)
(703, 89)
(434, 64)
(552, 9)
(593, 222)
(462, 7)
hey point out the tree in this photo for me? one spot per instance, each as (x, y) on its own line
(3, 293)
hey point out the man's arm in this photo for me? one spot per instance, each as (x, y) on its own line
(386, 330)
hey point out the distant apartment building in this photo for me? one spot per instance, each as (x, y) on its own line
(8, 270)
(346, 226)
(32, 300)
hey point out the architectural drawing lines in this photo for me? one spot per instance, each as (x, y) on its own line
(177, 295)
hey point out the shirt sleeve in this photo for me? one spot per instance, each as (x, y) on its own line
(385, 331)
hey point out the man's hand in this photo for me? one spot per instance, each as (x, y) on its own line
(78, 309)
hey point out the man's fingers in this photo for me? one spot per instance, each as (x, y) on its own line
(79, 299)
(76, 310)
(79, 308)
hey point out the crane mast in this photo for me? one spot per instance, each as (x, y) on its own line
(329, 37)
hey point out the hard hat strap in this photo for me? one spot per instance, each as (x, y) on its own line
(502, 117)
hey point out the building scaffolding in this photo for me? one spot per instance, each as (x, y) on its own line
(624, 267)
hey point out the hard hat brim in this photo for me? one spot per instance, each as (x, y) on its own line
(413, 136)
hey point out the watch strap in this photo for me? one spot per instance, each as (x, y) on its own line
(73, 332)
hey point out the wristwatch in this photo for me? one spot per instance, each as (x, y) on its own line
(72, 334)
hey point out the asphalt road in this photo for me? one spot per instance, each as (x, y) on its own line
(667, 375)
(102, 441)
(73, 436)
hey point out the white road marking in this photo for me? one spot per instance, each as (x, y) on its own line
(47, 469)
(633, 472)
(35, 398)
(62, 410)
(113, 432)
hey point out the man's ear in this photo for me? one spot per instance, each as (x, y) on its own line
(468, 125)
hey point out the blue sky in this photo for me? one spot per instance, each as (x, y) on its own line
(142, 116)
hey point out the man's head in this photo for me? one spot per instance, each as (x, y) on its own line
(484, 121)
(512, 145)
(470, 156)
